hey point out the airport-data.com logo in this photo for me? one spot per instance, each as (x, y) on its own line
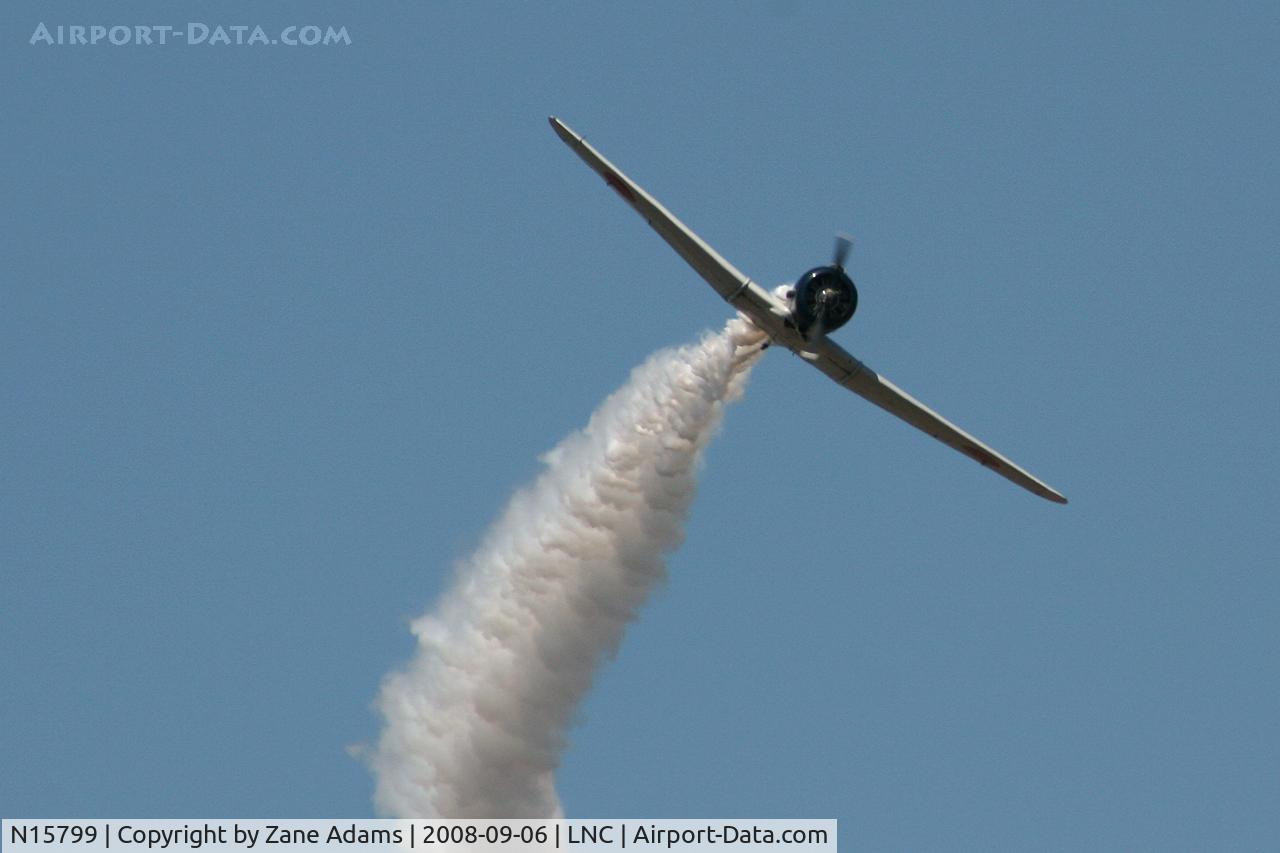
(192, 33)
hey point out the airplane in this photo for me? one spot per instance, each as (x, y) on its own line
(799, 317)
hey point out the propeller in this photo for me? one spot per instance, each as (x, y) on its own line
(843, 244)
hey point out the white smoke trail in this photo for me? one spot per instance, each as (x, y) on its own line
(475, 724)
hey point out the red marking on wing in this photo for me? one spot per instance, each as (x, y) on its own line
(620, 188)
(981, 456)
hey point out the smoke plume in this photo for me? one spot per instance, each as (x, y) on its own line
(475, 723)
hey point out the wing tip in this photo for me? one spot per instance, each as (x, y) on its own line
(562, 130)
(1050, 494)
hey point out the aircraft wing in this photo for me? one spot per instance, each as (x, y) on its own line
(738, 290)
(767, 313)
(834, 361)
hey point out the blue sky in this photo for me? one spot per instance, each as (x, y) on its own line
(282, 328)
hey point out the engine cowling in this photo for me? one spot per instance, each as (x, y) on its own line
(824, 300)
